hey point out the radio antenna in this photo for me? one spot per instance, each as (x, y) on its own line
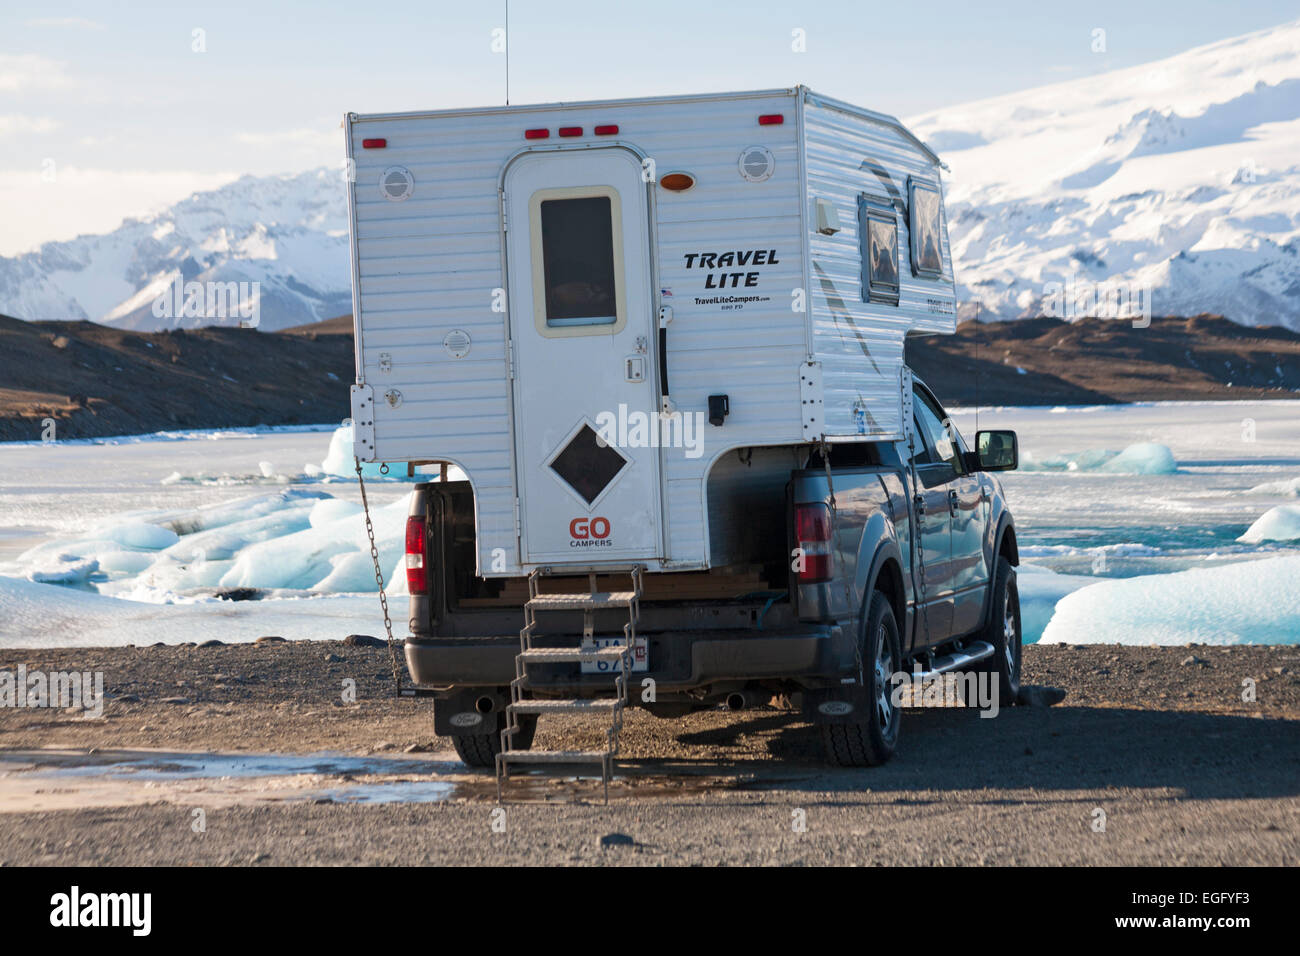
(507, 52)
(977, 365)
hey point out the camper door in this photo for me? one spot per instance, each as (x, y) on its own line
(581, 307)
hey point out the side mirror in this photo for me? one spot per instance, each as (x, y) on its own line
(995, 451)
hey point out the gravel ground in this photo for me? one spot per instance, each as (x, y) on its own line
(1158, 740)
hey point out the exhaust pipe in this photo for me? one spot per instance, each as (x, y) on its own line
(484, 705)
(745, 699)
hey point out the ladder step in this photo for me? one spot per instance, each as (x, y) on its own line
(560, 655)
(561, 602)
(554, 756)
(600, 704)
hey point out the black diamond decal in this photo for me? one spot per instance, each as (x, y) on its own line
(587, 466)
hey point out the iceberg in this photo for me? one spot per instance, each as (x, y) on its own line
(1277, 524)
(1250, 602)
(1288, 489)
(1040, 589)
(1144, 458)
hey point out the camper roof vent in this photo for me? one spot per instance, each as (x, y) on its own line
(397, 183)
(757, 164)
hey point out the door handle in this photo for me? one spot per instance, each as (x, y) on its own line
(918, 504)
(954, 501)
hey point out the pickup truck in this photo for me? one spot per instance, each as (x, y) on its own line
(888, 558)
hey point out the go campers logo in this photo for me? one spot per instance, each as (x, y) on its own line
(73, 909)
(590, 533)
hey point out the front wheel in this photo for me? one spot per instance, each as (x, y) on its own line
(871, 741)
(1003, 632)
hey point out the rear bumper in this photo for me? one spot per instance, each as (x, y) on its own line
(679, 660)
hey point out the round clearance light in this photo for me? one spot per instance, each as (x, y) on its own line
(677, 182)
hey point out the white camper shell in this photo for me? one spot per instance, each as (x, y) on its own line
(626, 320)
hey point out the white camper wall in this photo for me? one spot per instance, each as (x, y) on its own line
(859, 344)
(431, 264)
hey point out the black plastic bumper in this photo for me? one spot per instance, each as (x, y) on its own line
(678, 660)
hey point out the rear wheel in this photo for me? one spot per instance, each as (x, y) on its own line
(480, 750)
(871, 740)
(1003, 632)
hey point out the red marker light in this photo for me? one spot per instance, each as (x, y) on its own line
(771, 119)
(374, 143)
(608, 130)
(570, 130)
(537, 134)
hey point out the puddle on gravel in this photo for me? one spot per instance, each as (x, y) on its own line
(54, 779)
(62, 779)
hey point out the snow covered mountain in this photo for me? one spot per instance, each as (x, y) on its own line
(1180, 178)
(287, 233)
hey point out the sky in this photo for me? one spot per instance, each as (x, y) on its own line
(110, 109)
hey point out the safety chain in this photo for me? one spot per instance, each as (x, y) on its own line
(919, 544)
(379, 580)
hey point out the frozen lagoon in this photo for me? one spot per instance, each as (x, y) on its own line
(142, 532)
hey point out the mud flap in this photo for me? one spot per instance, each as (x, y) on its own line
(458, 714)
(845, 704)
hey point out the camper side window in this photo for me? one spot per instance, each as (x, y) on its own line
(923, 229)
(878, 229)
(577, 261)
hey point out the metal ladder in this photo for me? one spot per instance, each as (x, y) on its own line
(586, 652)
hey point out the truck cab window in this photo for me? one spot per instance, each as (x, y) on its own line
(941, 448)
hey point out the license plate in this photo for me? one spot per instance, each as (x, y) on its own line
(640, 656)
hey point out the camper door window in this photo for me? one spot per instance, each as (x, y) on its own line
(923, 228)
(577, 261)
(878, 228)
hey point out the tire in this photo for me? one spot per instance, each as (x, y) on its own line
(480, 750)
(1004, 633)
(870, 742)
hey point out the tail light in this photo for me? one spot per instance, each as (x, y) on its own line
(417, 579)
(812, 524)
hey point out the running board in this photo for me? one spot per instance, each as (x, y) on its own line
(972, 653)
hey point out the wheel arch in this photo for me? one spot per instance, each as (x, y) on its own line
(1005, 547)
(886, 576)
